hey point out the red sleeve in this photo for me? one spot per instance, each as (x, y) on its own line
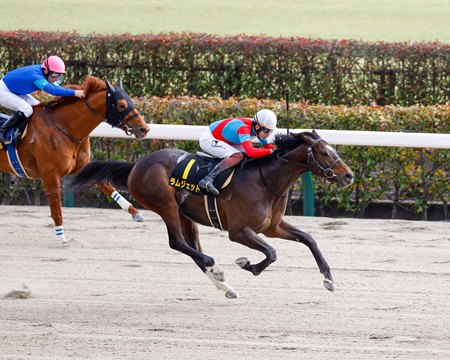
(254, 152)
(269, 146)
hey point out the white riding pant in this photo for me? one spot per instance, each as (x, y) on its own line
(15, 102)
(217, 148)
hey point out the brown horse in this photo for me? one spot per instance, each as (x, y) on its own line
(253, 203)
(56, 142)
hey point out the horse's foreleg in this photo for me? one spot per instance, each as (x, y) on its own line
(123, 203)
(214, 273)
(248, 237)
(286, 231)
(53, 191)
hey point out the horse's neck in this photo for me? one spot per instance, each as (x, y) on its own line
(82, 117)
(281, 175)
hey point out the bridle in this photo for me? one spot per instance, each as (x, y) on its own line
(113, 116)
(328, 172)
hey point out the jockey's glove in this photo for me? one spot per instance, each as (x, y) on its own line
(79, 93)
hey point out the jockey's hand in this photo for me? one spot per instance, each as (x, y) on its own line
(272, 151)
(79, 93)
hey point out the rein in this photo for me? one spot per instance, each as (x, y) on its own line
(93, 110)
(76, 141)
(267, 186)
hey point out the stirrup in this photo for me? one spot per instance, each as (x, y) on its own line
(211, 188)
(6, 140)
(203, 183)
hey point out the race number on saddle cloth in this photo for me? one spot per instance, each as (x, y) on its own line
(190, 169)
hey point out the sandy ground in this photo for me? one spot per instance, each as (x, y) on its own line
(119, 292)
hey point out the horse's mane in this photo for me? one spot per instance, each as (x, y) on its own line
(285, 142)
(90, 84)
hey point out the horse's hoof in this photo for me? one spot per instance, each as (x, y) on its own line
(62, 240)
(231, 294)
(242, 262)
(138, 218)
(329, 285)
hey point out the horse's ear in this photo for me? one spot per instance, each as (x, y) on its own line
(120, 83)
(306, 136)
(109, 86)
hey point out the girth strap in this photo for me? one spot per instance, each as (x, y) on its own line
(212, 211)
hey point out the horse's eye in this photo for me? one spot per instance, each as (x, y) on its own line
(324, 153)
(121, 105)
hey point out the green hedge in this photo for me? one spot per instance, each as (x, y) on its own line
(410, 178)
(320, 71)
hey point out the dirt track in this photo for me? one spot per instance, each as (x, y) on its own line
(119, 292)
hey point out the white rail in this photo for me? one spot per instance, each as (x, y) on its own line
(336, 137)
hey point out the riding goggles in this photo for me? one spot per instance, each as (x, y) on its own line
(59, 77)
(266, 130)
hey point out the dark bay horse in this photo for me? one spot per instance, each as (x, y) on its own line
(254, 202)
(56, 142)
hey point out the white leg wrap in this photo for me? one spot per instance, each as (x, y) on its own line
(124, 204)
(220, 285)
(59, 230)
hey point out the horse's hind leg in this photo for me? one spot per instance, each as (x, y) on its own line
(284, 230)
(123, 203)
(246, 236)
(216, 275)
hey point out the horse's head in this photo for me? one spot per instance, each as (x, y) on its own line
(121, 112)
(321, 158)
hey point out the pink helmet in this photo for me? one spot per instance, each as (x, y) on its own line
(55, 64)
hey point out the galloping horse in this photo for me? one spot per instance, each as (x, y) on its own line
(253, 203)
(56, 142)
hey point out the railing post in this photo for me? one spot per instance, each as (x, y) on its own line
(67, 193)
(308, 194)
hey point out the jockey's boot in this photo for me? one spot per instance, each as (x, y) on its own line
(14, 120)
(207, 182)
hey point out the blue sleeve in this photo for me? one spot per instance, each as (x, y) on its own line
(52, 89)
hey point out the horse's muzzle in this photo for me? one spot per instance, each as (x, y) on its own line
(139, 132)
(347, 179)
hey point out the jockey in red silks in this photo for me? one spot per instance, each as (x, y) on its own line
(17, 85)
(229, 138)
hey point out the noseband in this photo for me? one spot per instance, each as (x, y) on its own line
(327, 172)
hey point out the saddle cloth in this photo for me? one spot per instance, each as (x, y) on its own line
(17, 133)
(191, 168)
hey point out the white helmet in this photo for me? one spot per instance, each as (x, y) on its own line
(266, 118)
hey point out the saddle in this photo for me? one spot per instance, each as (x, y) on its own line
(17, 132)
(191, 168)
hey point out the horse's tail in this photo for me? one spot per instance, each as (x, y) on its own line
(104, 172)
